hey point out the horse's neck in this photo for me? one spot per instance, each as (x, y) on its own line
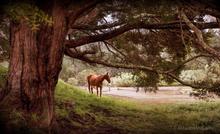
(102, 78)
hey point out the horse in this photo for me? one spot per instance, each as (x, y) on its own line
(96, 81)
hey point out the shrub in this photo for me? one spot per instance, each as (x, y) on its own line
(81, 76)
(73, 81)
(123, 80)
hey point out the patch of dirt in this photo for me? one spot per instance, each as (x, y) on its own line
(172, 94)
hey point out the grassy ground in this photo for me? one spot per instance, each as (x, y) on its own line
(80, 112)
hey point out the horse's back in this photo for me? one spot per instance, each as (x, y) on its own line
(92, 79)
(88, 78)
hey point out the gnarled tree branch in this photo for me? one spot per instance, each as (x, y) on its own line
(73, 15)
(199, 36)
(110, 34)
(78, 54)
(187, 61)
(100, 27)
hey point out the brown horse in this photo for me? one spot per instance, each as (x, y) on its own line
(96, 81)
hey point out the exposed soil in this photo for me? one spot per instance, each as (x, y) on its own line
(172, 94)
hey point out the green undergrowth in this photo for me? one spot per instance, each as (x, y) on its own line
(3, 73)
(80, 112)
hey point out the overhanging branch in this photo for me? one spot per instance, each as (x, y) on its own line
(78, 54)
(166, 25)
(199, 36)
(76, 13)
(86, 59)
(100, 27)
(187, 61)
(144, 68)
(113, 33)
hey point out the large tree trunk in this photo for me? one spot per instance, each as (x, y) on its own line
(35, 63)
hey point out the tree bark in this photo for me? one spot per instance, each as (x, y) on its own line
(35, 63)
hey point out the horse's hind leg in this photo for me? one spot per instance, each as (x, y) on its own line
(97, 91)
(92, 90)
(89, 88)
(100, 91)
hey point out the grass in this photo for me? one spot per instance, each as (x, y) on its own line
(3, 73)
(81, 112)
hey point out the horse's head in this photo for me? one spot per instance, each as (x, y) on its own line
(107, 77)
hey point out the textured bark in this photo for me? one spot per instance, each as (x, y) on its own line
(22, 69)
(35, 63)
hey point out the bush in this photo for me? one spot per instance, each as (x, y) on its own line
(81, 76)
(123, 80)
(73, 81)
(193, 75)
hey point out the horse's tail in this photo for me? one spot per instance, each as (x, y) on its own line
(88, 78)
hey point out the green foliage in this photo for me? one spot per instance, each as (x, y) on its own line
(75, 72)
(145, 79)
(205, 73)
(123, 80)
(4, 40)
(82, 76)
(28, 13)
(73, 81)
(4, 50)
(17, 120)
(63, 113)
(193, 75)
(3, 75)
(121, 116)
(68, 69)
(160, 49)
(3, 70)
